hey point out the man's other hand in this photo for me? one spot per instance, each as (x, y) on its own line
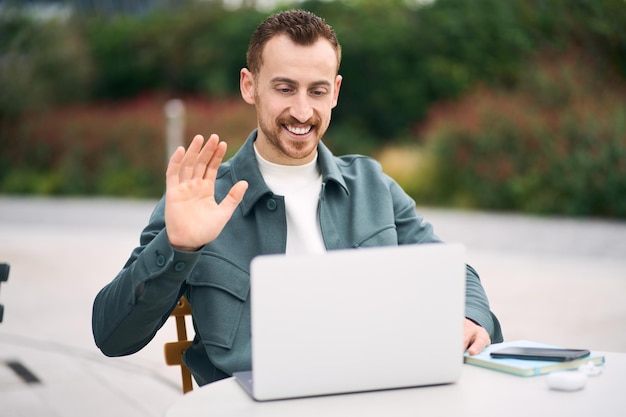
(475, 337)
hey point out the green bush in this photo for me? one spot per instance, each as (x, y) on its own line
(197, 49)
(557, 144)
(400, 60)
(41, 63)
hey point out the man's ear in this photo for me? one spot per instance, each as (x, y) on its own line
(338, 80)
(246, 85)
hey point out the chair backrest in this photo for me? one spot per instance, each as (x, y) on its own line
(174, 350)
(4, 276)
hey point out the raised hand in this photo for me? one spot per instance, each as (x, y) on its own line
(193, 217)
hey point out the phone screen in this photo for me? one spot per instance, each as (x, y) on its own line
(543, 354)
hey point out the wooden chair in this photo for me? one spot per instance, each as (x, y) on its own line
(174, 350)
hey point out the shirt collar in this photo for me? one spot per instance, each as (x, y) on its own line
(244, 166)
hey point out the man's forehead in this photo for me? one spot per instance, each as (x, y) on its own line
(281, 51)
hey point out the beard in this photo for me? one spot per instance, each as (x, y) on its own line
(279, 138)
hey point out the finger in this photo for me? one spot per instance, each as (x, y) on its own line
(480, 341)
(477, 346)
(204, 157)
(216, 161)
(185, 171)
(234, 197)
(173, 167)
(467, 341)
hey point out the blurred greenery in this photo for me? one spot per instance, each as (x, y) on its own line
(555, 144)
(510, 83)
(42, 64)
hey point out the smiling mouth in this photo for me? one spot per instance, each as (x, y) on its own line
(299, 130)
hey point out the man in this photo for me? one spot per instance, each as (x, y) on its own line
(282, 192)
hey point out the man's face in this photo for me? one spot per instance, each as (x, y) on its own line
(294, 93)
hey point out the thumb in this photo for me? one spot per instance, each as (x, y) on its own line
(234, 197)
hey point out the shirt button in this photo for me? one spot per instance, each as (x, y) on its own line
(179, 266)
(271, 204)
(160, 260)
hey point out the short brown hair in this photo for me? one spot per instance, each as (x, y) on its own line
(302, 27)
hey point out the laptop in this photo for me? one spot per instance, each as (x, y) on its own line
(355, 320)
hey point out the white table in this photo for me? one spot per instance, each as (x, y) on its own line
(479, 392)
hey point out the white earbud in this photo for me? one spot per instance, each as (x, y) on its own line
(590, 369)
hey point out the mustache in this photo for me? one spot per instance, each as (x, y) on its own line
(290, 120)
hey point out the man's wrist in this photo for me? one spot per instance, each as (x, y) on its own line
(186, 249)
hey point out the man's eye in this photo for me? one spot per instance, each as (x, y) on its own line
(318, 93)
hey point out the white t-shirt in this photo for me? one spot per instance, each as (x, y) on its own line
(300, 186)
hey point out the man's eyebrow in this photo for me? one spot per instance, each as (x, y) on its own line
(320, 83)
(284, 80)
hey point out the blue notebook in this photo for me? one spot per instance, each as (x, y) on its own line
(523, 367)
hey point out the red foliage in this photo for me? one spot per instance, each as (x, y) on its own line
(111, 147)
(132, 129)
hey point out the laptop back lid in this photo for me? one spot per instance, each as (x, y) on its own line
(357, 320)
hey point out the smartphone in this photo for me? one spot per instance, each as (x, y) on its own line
(540, 354)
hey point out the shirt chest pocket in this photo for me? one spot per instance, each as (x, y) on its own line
(218, 291)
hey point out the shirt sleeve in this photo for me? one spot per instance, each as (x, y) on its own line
(477, 306)
(129, 311)
(413, 228)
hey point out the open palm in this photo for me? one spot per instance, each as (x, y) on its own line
(193, 217)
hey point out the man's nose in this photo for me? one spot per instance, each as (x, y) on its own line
(301, 108)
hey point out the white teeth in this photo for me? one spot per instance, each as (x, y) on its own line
(299, 130)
